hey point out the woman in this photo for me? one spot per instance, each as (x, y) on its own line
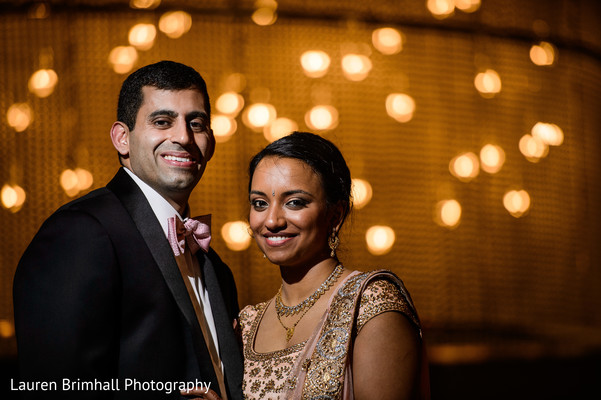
(328, 332)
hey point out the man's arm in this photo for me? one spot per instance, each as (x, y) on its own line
(66, 298)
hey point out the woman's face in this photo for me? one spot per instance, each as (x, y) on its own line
(288, 213)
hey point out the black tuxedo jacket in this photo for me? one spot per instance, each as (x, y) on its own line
(98, 296)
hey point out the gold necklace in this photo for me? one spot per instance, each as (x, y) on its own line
(284, 310)
(306, 305)
(290, 330)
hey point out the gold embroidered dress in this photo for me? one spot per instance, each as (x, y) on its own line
(320, 366)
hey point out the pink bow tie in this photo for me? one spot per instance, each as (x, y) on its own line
(196, 232)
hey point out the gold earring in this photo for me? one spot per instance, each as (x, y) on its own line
(264, 256)
(333, 242)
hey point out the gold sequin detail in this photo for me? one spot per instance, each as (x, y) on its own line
(267, 375)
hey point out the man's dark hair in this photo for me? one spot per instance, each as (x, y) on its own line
(322, 156)
(164, 75)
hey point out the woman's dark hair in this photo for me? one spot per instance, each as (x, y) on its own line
(322, 156)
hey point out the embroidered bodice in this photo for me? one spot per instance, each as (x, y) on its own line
(267, 375)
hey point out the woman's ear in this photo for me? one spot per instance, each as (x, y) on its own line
(120, 138)
(337, 217)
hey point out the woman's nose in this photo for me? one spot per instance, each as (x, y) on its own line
(275, 218)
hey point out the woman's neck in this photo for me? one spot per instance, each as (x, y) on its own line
(299, 283)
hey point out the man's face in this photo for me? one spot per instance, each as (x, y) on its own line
(171, 143)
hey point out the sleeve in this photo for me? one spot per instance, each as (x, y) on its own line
(381, 296)
(66, 296)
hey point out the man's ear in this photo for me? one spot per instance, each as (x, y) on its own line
(210, 146)
(120, 138)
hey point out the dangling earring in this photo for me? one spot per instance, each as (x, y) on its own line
(264, 255)
(333, 242)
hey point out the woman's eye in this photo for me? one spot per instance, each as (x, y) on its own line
(258, 204)
(297, 203)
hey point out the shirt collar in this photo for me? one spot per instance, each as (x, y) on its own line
(161, 207)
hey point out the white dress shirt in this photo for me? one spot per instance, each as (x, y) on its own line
(163, 211)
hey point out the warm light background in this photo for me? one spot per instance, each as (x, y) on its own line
(492, 286)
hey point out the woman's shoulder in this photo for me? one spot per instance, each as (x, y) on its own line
(250, 312)
(383, 291)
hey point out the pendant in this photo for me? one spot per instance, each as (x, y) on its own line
(289, 333)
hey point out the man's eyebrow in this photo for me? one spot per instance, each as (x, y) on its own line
(168, 113)
(197, 114)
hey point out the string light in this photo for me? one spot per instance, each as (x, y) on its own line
(464, 167)
(448, 213)
(236, 236)
(123, 58)
(279, 128)
(387, 41)
(175, 24)
(488, 83)
(362, 193)
(315, 63)
(379, 239)
(19, 116)
(43, 82)
(223, 127)
(322, 117)
(517, 202)
(142, 36)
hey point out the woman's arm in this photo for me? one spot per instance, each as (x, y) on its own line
(386, 359)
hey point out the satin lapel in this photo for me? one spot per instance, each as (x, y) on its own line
(229, 349)
(138, 207)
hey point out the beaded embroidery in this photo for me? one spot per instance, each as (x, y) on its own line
(267, 375)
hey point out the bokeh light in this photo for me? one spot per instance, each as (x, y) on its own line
(447, 213)
(387, 40)
(551, 134)
(19, 116)
(362, 192)
(43, 82)
(543, 54)
(315, 63)
(492, 158)
(230, 103)
(13, 197)
(259, 115)
(175, 24)
(223, 127)
(236, 235)
(488, 83)
(123, 59)
(400, 106)
(379, 239)
(142, 36)
(465, 167)
(533, 148)
(441, 9)
(279, 128)
(322, 117)
(517, 202)
(356, 67)
(144, 4)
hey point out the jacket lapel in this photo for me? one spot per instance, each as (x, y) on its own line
(229, 348)
(138, 207)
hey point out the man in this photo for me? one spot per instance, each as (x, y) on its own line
(109, 301)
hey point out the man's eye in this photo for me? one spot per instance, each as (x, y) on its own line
(198, 126)
(161, 123)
